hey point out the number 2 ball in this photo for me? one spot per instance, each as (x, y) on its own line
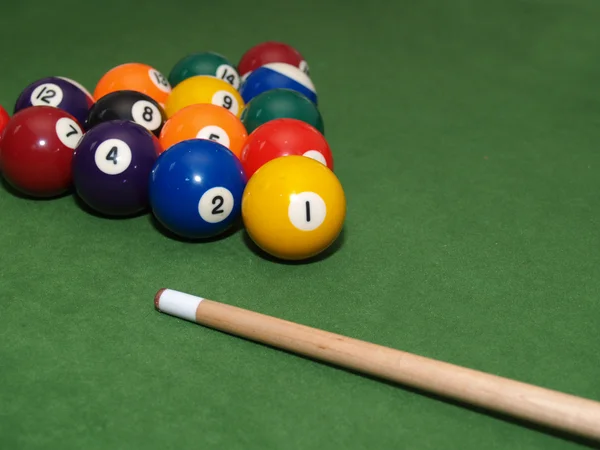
(111, 167)
(293, 208)
(36, 151)
(128, 105)
(196, 189)
(57, 92)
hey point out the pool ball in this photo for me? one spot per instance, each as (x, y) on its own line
(4, 118)
(57, 92)
(87, 93)
(278, 75)
(270, 52)
(134, 77)
(282, 137)
(204, 121)
(37, 149)
(204, 63)
(293, 207)
(128, 105)
(280, 103)
(196, 189)
(111, 166)
(204, 89)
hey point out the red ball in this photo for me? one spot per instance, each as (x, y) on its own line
(4, 118)
(37, 149)
(283, 137)
(270, 52)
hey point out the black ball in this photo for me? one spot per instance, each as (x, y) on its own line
(127, 105)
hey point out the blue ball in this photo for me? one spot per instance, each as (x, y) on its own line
(277, 76)
(196, 188)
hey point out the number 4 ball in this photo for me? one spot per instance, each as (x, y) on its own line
(294, 208)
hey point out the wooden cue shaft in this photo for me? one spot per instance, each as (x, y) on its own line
(545, 407)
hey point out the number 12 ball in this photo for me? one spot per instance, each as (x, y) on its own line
(196, 189)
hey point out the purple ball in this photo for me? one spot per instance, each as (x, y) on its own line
(112, 166)
(58, 92)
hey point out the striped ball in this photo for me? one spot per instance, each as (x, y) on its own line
(278, 76)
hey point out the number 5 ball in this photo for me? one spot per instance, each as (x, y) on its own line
(196, 189)
(293, 207)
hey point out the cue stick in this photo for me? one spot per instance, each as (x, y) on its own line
(545, 407)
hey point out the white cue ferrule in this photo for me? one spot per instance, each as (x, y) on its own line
(178, 304)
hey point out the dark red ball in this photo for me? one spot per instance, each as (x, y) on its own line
(270, 52)
(4, 118)
(36, 151)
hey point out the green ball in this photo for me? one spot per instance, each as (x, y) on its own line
(204, 63)
(281, 103)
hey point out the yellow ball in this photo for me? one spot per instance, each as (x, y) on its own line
(293, 207)
(204, 89)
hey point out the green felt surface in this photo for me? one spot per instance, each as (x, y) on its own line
(467, 137)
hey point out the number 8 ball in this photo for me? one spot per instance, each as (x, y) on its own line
(128, 105)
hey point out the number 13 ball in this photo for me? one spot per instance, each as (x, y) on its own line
(293, 207)
(196, 189)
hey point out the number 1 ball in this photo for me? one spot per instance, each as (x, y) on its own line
(128, 105)
(196, 189)
(57, 92)
(111, 167)
(293, 208)
(36, 151)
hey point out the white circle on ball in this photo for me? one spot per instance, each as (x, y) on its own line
(47, 94)
(159, 80)
(69, 132)
(229, 74)
(214, 133)
(146, 114)
(113, 156)
(216, 204)
(316, 155)
(307, 211)
(226, 100)
(293, 73)
(304, 67)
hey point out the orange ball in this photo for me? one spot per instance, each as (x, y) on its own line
(134, 77)
(205, 121)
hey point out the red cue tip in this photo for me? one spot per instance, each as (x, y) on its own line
(157, 298)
